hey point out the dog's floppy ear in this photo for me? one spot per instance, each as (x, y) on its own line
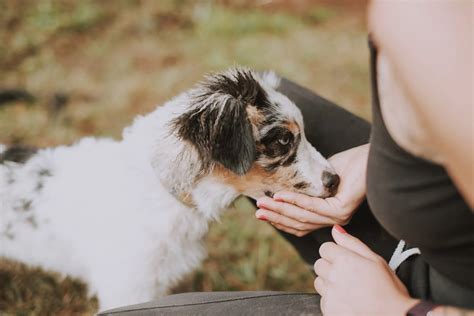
(218, 125)
(221, 133)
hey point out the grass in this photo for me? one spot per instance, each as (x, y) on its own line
(117, 59)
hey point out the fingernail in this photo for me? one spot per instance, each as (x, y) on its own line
(261, 203)
(277, 198)
(262, 218)
(340, 229)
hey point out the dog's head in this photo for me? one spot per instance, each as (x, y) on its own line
(251, 137)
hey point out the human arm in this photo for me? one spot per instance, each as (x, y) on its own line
(299, 214)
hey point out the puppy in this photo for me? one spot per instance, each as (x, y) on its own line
(128, 217)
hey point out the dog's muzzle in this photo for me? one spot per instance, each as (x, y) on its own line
(330, 181)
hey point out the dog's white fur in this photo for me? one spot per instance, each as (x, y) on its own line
(104, 211)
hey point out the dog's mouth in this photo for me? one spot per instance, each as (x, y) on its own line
(328, 193)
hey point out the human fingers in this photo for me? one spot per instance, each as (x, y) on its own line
(338, 209)
(314, 204)
(320, 285)
(344, 239)
(292, 231)
(278, 218)
(332, 252)
(295, 212)
(322, 268)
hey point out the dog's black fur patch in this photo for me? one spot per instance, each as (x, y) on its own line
(291, 159)
(302, 185)
(270, 146)
(221, 130)
(15, 95)
(18, 154)
(42, 173)
(269, 193)
(226, 138)
(24, 205)
(8, 232)
(241, 85)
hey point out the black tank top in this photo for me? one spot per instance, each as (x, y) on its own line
(415, 200)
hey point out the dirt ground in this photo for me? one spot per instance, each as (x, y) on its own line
(92, 66)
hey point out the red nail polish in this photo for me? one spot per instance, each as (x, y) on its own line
(340, 229)
(262, 218)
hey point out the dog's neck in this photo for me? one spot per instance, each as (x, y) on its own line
(208, 196)
(213, 197)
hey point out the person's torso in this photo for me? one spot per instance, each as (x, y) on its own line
(415, 200)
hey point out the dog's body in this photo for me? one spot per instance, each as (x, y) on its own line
(128, 217)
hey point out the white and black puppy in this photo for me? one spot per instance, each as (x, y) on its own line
(128, 217)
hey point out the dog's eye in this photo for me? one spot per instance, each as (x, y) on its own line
(284, 140)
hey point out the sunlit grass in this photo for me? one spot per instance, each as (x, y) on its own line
(217, 21)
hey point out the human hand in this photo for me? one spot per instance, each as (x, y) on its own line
(353, 280)
(299, 214)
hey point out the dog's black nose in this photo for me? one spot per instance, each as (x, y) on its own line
(330, 180)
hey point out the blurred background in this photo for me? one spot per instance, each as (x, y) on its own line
(70, 69)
